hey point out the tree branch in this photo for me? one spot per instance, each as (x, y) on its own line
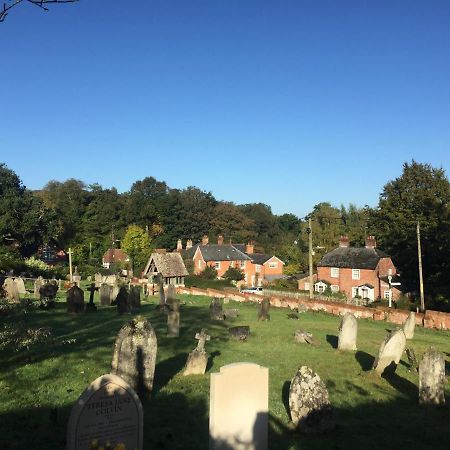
(39, 3)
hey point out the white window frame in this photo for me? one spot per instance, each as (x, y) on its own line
(273, 265)
(199, 263)
(388, 295)
(334, 272)
(217, 265)
(356, 274)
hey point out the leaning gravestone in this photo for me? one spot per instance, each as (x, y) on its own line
(409, 325)
(123, 301)
(240, 333)
(105, 294)
(173, 318)
(303, 337)
(238, 408)
(135, 296)
(20, 285)
(432, 378)
(264, 307)
(75, 299)
(135, 355)
(107, 411)
(198, 358)
(309, 404)
(348, 330)
(391, 351)
(10, 288)
(215, 308)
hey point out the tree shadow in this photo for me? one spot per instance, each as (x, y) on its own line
(365, 360)
(211, 357)
(332, 340)
(167, 369)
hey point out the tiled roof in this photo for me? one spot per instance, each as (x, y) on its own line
(353, 257)
(113, 255)
(224, 252)
(168, 264)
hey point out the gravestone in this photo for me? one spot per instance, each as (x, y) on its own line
(231, 313)
(409, 325)
(303, 337)
(240, 333)
(135, 296)
(123, 301)
(91, 305)
(98, 279)
(47, 295)
(107, 411)
(309, 403)
(238, 408)
(264, 307)
(412, 359)
(114, 293)
(162, 295)
(75, 299)
(105, 294)
(20, 285)
(198, 358)
(135, 355)
(390, 352)
(10, 288)
(432, 378)
(171, 292)
(293, 316)
(38, 282)
(348, 330)
(76, 277)
(173, 318)
(215, 308)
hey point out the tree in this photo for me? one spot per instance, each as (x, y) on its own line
(40, 3)
(233, 274)
(136, 244)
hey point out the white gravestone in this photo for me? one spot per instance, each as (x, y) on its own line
(108, 410)
(391, 351)
(409, 325)
(348, 330)
(238, 410)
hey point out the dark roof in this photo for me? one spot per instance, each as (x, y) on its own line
(113, 255)
(353, 257)
(168, 264)
(224, 252)
(257, 258)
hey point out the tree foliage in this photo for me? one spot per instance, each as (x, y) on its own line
(136, 244)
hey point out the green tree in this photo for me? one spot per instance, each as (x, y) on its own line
(233, 274)
(136, 244)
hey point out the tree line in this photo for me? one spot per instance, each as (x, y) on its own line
(89, 218)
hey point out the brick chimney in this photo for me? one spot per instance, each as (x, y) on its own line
(189, 244)
(249, 248)
(179, 246)
(343, 241)
(220, 240)
(371, 242)
(205, 240)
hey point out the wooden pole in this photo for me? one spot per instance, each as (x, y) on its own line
(311, 281)
(70, 265)
(419, 254)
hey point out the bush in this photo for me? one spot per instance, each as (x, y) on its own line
(210, 273)
(205, 283)
(233, 274)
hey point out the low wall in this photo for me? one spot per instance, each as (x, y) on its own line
(431, 319)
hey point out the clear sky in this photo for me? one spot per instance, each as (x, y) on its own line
(285, 102)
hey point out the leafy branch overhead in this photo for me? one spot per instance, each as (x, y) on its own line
(40, 3)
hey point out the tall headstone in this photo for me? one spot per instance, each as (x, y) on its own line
(76, 277)
(238, 409)
(91, 305)
(20, 285)
(114, 293)
(432, 378)
(390, 352)
(171, 292)
(98, 279)
(75, 299)
(198, 358)
(310, 407)
(216, 308)
(348, 331)
(162, 295)
(264, 307)
(105, 294)
(123, 301)
(135, 296)
(409, 325)
(173, 318)
(38, 282)
(135, 355)
(107, 411)
(10, 288)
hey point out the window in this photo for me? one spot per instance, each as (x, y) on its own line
(217, 264)
(199, 263)
(257, 268)
(355, 292)
(355, 274)
(243, 264)
(387, 295)
(273, 265)
(335, 272)
(334, 288)
(320, 287)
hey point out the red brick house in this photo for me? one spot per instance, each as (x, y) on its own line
(364, 272)
(113, 256)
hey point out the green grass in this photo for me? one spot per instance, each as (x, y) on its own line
(38, 387)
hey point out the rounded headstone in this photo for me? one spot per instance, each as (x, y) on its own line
(432, 378)
(390, 352)
(348, 331)
(409, 325)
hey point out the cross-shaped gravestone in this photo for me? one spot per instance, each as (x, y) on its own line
(92, 290)
(202, 338)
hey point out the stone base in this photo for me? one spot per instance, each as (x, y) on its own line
(196, 363)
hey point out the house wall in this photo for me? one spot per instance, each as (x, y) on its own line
(268, 271)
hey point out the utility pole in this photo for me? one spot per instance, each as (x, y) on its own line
(419, 254)
(311, 282)
(70, 265)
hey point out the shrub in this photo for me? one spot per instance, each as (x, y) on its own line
(233, 274)
(210, 273)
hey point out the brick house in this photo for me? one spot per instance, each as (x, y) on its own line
(366, 272)
(113, 256)
(257, 267)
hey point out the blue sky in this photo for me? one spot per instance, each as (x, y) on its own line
(288, 103)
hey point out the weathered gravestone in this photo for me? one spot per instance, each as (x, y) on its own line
(162, 296)
(409, 325)
(348, 330)
(98, 279)
(240, 333)
(309, 404)
(171, 292)
(105, 294)
(264, 307)
(10, 288)
(390, 353)
(20, 285)
(76, 277)
(432, 378)
(215, 308)
(303, 337)
(91, 305)
(38, 282)
(198, 358)
(75, 299)
(293, 316)
(107, 411)
(238, 409)
(123, 301)
(231, 313)
(412, 359)
(135, 355)
(47, 294)
(115, 289)
(173, 317)
(135, 296)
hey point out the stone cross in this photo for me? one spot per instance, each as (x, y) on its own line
(202, 338)
(91, 289)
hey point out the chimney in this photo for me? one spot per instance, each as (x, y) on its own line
(371, 242)
(249, 248)
(189, 244)
(343, 241)
(179, 246)
(205, 240)
(220, 240)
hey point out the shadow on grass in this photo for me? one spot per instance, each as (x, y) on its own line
(401, 384)
(167, 369)
(365, 360)
(285, 396)
(332, 340)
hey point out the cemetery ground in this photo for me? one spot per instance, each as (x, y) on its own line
(39, 385)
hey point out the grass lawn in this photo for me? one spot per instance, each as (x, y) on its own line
(38, 387)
